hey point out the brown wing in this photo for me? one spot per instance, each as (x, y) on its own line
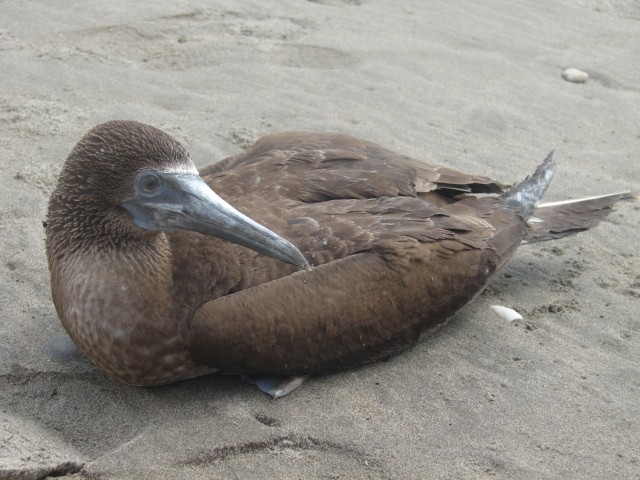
(334, 195)
(339, 315)
(397, 245)
(318, 166)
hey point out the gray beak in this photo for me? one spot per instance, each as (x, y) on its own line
(171, 201)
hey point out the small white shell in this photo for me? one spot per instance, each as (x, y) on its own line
(574, 75)
(508, 314)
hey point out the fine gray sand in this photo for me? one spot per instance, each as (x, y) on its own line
(474, 85)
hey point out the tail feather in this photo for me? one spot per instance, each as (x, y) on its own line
(560, 219)
(527, 194)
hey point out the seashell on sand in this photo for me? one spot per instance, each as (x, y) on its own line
(508, 314)
(574, 75)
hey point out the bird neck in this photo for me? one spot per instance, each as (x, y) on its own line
(116, 306)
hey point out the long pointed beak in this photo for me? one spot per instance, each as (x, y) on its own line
(186, 202)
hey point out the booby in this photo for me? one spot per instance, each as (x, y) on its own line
(336, 252)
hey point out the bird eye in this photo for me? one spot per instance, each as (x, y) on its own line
(149, 183)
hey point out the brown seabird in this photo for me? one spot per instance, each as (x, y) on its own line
(157, 279)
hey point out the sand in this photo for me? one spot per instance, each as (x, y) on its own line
(474, 85)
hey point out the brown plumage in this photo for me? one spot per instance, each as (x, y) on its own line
(396, 246)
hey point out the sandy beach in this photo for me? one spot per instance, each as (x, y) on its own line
(476, 86)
